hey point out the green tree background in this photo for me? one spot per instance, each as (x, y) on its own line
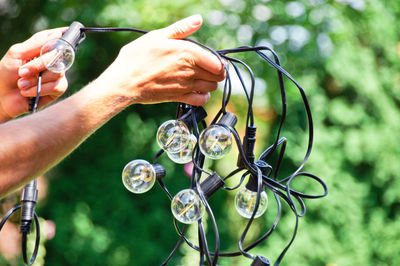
(345, 53)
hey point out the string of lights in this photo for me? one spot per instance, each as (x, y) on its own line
(188, 139)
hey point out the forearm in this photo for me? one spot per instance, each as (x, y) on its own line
(31, 145)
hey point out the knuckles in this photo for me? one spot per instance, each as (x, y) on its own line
(14, 51)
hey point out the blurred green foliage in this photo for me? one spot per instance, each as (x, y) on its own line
(345, 53)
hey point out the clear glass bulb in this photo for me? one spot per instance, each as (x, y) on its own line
(185, 155)
(245, 203)
(215, 141)
(187, 207)
(57, 55)
(138, 176)
(173, 136)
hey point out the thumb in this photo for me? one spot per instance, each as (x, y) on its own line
(183, 28)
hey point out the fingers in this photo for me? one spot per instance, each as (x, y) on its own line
(194, 98)
(182, 28)
(31, 47)
(32, 68)
(51, 88)
(45, 100)
(207, 60)
(203, 86)
(200, 73)
(27, 82)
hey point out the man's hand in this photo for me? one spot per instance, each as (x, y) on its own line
(19, 70)
(159, 67)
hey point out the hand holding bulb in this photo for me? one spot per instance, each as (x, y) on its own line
(19, 69)
(58, 55)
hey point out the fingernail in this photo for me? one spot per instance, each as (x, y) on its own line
(197, 20)
(23, 84)
(25, 93)
(23, 72)
(208, 95)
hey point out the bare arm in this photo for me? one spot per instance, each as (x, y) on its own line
(155, 68)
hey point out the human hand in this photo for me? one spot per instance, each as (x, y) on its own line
(158, 67)
(19, 69)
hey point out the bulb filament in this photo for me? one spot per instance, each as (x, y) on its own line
(143, 174)
(186, 209)
(214, 143)
(55, 57)
(251, 204)
(169, 141)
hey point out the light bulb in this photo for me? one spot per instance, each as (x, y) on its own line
(185, 155)
(138, 176)
(173, 136)
(215, 141)
(187, 207)
(245, 203)
(57, 55)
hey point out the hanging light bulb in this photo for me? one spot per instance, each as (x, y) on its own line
(185, 155)
(216, 140)
(139, 176)
(173, 136)
(187, 207)
(59, 55)
(245, 202)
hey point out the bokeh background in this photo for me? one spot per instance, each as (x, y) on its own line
(345, 53)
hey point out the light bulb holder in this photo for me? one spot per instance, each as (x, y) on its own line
(260, 261)
(199, 113)
(249, 141)
(159, 170)
(74, 35)
(252, 183)
(211, 184)
(228, 119)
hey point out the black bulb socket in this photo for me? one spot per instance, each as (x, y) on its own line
(199, 113)
(260, 261)
(228, 119)
(252, 183)
(74, 35)
(211, 184)
(160, 170)
(249, 142)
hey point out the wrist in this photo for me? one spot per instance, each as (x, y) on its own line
(118, 91)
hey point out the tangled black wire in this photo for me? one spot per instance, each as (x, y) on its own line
(261, 175)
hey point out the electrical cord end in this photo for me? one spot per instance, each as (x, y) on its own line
(249, 141)
(28, 203)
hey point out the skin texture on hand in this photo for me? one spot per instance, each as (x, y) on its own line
(157, 67)
(170, 69)
(19, 69)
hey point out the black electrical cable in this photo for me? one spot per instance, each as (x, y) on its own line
(29, 197)
(26, 225)
(262, 179)
(24, 241)
(8, 214)
(250, 116)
